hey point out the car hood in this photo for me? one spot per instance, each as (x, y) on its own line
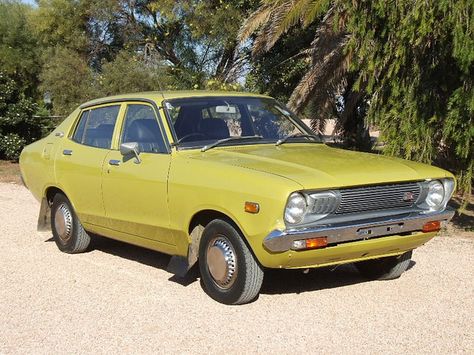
(319, 166)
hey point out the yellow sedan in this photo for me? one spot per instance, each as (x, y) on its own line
(234, 181)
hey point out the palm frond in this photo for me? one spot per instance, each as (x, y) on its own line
(329, 65)
(295, 15)
(315, 9)
(256, 19)
(325, 76)
(272, 29)
(274, 18)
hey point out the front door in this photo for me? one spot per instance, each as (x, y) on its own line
(135, 193)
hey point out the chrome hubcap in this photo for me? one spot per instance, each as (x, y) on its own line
(222, 262)
(63, 222)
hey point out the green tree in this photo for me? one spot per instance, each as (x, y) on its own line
(278, 71)
(406, 66)
(142, 74)
(195, 38)
(19, 55)
(118, 46)
(69, 80)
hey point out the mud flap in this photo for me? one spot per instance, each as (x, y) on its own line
(180, 265)
(44, 218)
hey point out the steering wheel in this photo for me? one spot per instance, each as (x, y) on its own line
(195, 134)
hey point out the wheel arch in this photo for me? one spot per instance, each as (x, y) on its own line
(180, 265)
(205, 216)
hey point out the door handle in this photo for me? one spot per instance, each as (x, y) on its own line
(67, 152)
(114, 162)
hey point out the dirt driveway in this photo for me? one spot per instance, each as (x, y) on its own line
(119, 298)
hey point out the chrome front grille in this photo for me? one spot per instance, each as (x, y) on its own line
(381, 197)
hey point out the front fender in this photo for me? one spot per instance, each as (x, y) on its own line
(196, 185)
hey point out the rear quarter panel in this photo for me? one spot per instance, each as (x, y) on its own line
(37, 160)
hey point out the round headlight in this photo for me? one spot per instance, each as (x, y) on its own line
(295, 208)
(435, 196)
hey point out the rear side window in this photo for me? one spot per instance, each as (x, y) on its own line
(96, 127)
(79, 133)
(141, 126)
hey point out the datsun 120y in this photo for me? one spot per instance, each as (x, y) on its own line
(233, 181)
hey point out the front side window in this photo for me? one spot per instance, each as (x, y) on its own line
(141, 126)
(200, 121)
(96, 127)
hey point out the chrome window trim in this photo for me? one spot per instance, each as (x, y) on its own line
(157, 118)
(78, 120)
(127, 100)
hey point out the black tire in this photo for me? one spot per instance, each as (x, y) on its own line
(388, 268)
(242, 276)
(68, 233)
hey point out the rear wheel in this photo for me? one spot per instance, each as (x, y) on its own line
(68, 233)
(229, 271)
(385, 268)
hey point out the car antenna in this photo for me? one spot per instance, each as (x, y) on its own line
(148, 54)
(161, 89)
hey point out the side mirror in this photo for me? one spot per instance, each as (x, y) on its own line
(131, 148)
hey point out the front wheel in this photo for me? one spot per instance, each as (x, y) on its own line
(68, 233)
(385, 268)
(229, 272)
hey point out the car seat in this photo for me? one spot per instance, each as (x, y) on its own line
(214, 128)
(146, 133)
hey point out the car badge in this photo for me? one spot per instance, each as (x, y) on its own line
(408, 196)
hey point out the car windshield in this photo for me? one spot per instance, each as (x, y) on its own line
(199, 122)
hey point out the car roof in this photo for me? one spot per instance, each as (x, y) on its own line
(158, 96)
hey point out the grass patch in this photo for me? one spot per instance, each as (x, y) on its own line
(10, 172)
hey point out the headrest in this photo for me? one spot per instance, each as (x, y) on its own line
(143, 130)
(214, 128)
(187, 120)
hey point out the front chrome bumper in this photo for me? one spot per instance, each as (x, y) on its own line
(280, 241)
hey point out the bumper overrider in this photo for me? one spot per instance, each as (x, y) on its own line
(289, 239)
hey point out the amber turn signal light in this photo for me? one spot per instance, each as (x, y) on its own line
(312, 243)
(252, 207)
(433, 226)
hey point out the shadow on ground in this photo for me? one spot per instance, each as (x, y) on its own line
(295, 281)
(131, 252)
(143, 256)
(275, 281)
(464, 220)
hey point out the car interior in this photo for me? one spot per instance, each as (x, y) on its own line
(146, 132)
(100, 137)
(197, 123)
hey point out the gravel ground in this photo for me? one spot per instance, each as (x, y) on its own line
(119, 298)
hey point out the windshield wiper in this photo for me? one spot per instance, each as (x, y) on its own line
(220, 141)
(297, 135)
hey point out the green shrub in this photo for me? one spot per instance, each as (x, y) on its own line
(11, 146)
(21, 119)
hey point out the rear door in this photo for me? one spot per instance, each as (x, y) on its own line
(80, 160)
(135, 193)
